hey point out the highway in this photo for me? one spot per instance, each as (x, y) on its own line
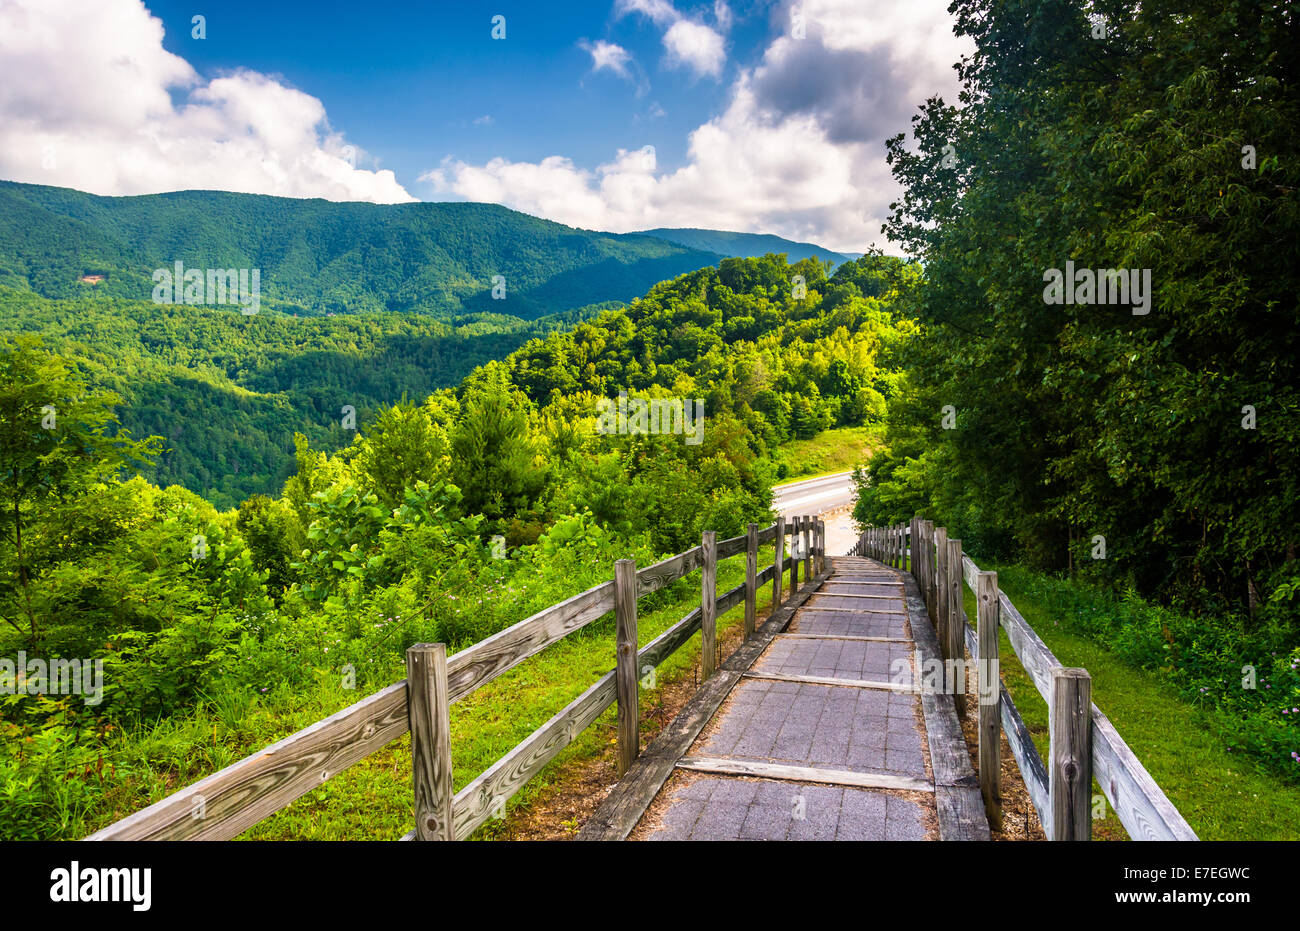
(829, 496)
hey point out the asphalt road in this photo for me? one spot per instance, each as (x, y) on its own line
(831, 498)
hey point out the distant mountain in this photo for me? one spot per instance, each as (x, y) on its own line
(317, 256)
(747, 245)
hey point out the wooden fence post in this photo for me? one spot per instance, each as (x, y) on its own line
(956, 626)
(428, 707)
(751, 579)
(990, 697)
(920, 554)
(794, 563)
(807, 548)
(941, 590)
(778, 567)
(1070, 775)
(709, 604)
(629, 716)
(927, 586)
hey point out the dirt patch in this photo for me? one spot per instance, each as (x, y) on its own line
(1019, 817)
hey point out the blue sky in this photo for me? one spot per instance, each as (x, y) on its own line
(407, 81)
(615, 115)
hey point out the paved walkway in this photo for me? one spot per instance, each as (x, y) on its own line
(814, 742)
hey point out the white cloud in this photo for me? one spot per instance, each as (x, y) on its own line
(798, 150)
(86, 102)
(722, 13)
(660, 11)
(687, 42)
(607, 55)
(696, 46)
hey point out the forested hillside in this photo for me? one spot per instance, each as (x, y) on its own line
(227, 392)
(196, 611)
(319, 257)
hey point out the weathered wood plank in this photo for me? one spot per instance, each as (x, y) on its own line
(730, 547)
(941, 588)
(1143, 809)
(663, 573)
(831, 680)
(884, 583)
(820, 609)
(828, 594)
(751, 579)
(1032, 769)
(1033, 654)
(807, 547)
(474, 667)
(235, 798)
(778, 562)
(960, 810)
(729, 599)
(709, 605)
(955, 647)
(990, 716)
(835, 777)
(767, 534)
(626, 673)
(800, 636)
(427, 707)
(1070, 773)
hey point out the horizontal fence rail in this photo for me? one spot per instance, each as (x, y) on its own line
(228, 802)
(1084, 741)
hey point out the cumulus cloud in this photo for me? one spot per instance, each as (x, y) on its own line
(90, 99)
(798, 149)
(694, 46)
(687, 43)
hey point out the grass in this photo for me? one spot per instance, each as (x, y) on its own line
(828, 452)
(1222, 794)
(373, 800)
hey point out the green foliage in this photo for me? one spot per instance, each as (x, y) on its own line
(1077, 420)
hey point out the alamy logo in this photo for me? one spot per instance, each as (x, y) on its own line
(105, 884)
(653, 415)
(1099, 286)
(52, 677)
(181, 285)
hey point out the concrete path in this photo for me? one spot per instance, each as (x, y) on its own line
(814, 742)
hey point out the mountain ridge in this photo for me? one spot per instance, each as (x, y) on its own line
(320, 257)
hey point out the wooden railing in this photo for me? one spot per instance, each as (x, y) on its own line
(223, 805)
(1084, 743)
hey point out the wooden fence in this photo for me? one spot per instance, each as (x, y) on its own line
(1084, 743)
(225, 804)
